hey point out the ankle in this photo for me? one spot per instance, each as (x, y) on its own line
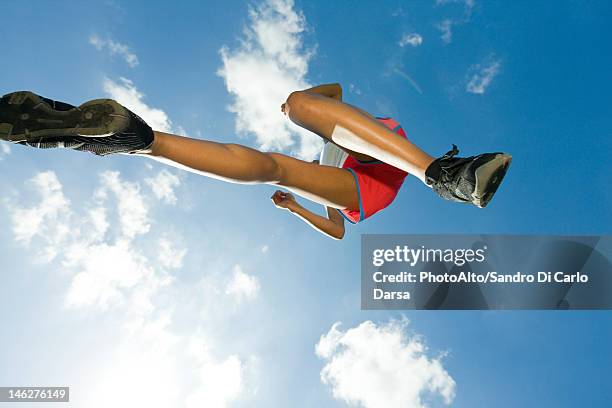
(432, 172)
(156, 147)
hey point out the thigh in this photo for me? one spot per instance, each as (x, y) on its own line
(321, 114)
(325, 185)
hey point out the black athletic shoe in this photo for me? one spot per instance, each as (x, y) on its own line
(100, 126)
(472, 179)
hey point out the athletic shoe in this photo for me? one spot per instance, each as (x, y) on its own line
(100, 126)
(472, 179)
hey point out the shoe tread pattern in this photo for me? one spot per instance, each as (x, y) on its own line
(27, 117)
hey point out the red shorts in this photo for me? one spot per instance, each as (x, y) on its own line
(377, 182)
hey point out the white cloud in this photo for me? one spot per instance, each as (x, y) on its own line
(47, 220)
(446, 28)
(99, 222)
(379, 366)
(115, 48)
(109, 273)
(265, 249)
(102, 269)
(105, 248)
(163, 186)
(144, 371)
(270, 63)
(242, 286)
(220, 383)
(412, 39)
(467, 4)
(131, 204)
(126, 93)
(483, 75)
(169, 256)
(138, 372)
(106, 274)
(5, 149)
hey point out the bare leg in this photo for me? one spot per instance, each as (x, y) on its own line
(240, 164)
(357, 131)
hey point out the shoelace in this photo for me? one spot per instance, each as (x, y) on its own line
(451, 153)
(447, 174)
(446, 168)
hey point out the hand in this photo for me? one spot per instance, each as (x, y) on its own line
(284, 200)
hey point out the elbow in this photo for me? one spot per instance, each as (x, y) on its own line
(338, 235)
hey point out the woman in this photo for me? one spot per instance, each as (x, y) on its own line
(377, 156)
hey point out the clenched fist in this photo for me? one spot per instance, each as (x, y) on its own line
(284, 200)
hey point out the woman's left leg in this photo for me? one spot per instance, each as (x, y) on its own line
(473, 179)
(357, 131)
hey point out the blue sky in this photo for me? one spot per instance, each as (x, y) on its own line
(119, 272)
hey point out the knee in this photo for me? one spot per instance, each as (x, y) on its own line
(297, 100)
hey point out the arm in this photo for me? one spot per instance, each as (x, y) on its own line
(329, 90)
(332, 226)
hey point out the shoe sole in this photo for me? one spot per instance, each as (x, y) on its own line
(25, 116)
(488, 178)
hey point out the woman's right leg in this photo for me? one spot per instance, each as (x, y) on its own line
(105, 127)
(240, 164)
